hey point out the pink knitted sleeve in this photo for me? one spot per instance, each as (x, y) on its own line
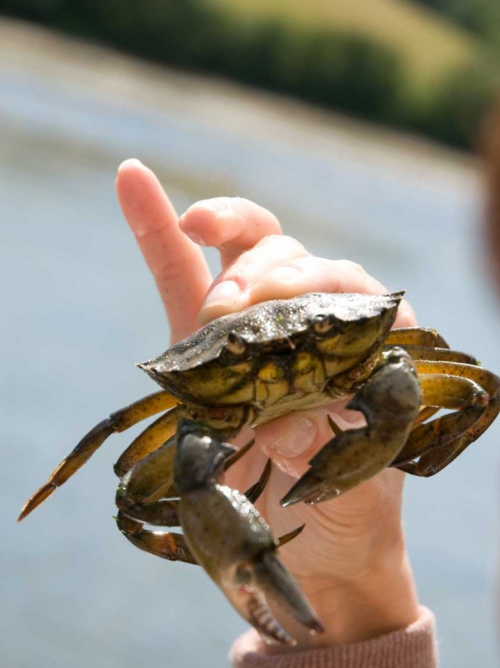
(412, 647)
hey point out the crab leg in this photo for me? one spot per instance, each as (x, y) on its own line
(421, 352)
(460, 394)
(116, 422)
(423, 343)
(286, 538)
(470, 388)
(230, 461)
(149, 440)
(144, 488)
(415, 336)
(254, 492)
(171, 546)
(141, 492)
(230, 539)
(151, 478)
(425, 414)
(438, 354)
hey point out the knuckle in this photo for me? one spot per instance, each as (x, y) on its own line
(353, 267)
(288, 246)
(170, 271)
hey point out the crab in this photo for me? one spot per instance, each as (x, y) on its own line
(248, 368)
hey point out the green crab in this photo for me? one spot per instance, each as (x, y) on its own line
(248, 368)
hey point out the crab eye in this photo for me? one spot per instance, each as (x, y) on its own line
(236, 345)
(323, 325)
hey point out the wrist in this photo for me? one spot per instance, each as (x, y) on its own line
(380, 599)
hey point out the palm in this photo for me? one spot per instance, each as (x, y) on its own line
(333, 529)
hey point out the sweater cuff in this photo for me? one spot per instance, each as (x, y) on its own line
(412, 647)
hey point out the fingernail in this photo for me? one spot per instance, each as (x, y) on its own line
(217, 204)
(222, 293)
(297, 440)
(192, 234)
(129, 163)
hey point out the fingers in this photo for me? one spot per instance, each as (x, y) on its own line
(279, 268)
(258, 264)
(406, 315)
(311, 274)
(234, 289)
(231, 224)
(177, 264)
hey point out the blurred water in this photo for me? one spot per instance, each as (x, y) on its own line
(79, 308)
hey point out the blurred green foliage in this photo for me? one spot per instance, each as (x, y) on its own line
(344, 71)
(479, 16)
(454, 114)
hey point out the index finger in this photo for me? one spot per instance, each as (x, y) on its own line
(177, 263)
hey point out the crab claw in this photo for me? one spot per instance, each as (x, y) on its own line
(268, 576)
(230, 539)
(390, 401)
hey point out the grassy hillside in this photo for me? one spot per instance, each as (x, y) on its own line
(429, 46)
(395, 62)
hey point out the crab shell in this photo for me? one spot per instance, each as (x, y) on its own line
(279, 355)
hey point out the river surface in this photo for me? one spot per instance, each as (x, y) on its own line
(79, 308)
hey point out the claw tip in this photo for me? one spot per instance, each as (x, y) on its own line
(316, 627)
(37, 498)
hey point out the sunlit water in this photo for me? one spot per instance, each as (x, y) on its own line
(79, 308)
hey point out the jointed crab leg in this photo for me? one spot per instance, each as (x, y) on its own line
(439, 442)
(151, 478)
(427, 352)
(116, 422)
(168, 545)
(469, 401)
(141, 494)
(441, 390)
(283, 540)
(230, 539)
(171, 546)
(149, 440)
(254, 492)
(437, 354)
(424, 415)
(415, 336)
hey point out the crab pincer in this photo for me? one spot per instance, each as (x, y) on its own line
(230, 539)
(390, 401)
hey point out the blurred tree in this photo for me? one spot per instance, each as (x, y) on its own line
(479, 16)
(457, 110)
(350, 72)
(41, 10)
